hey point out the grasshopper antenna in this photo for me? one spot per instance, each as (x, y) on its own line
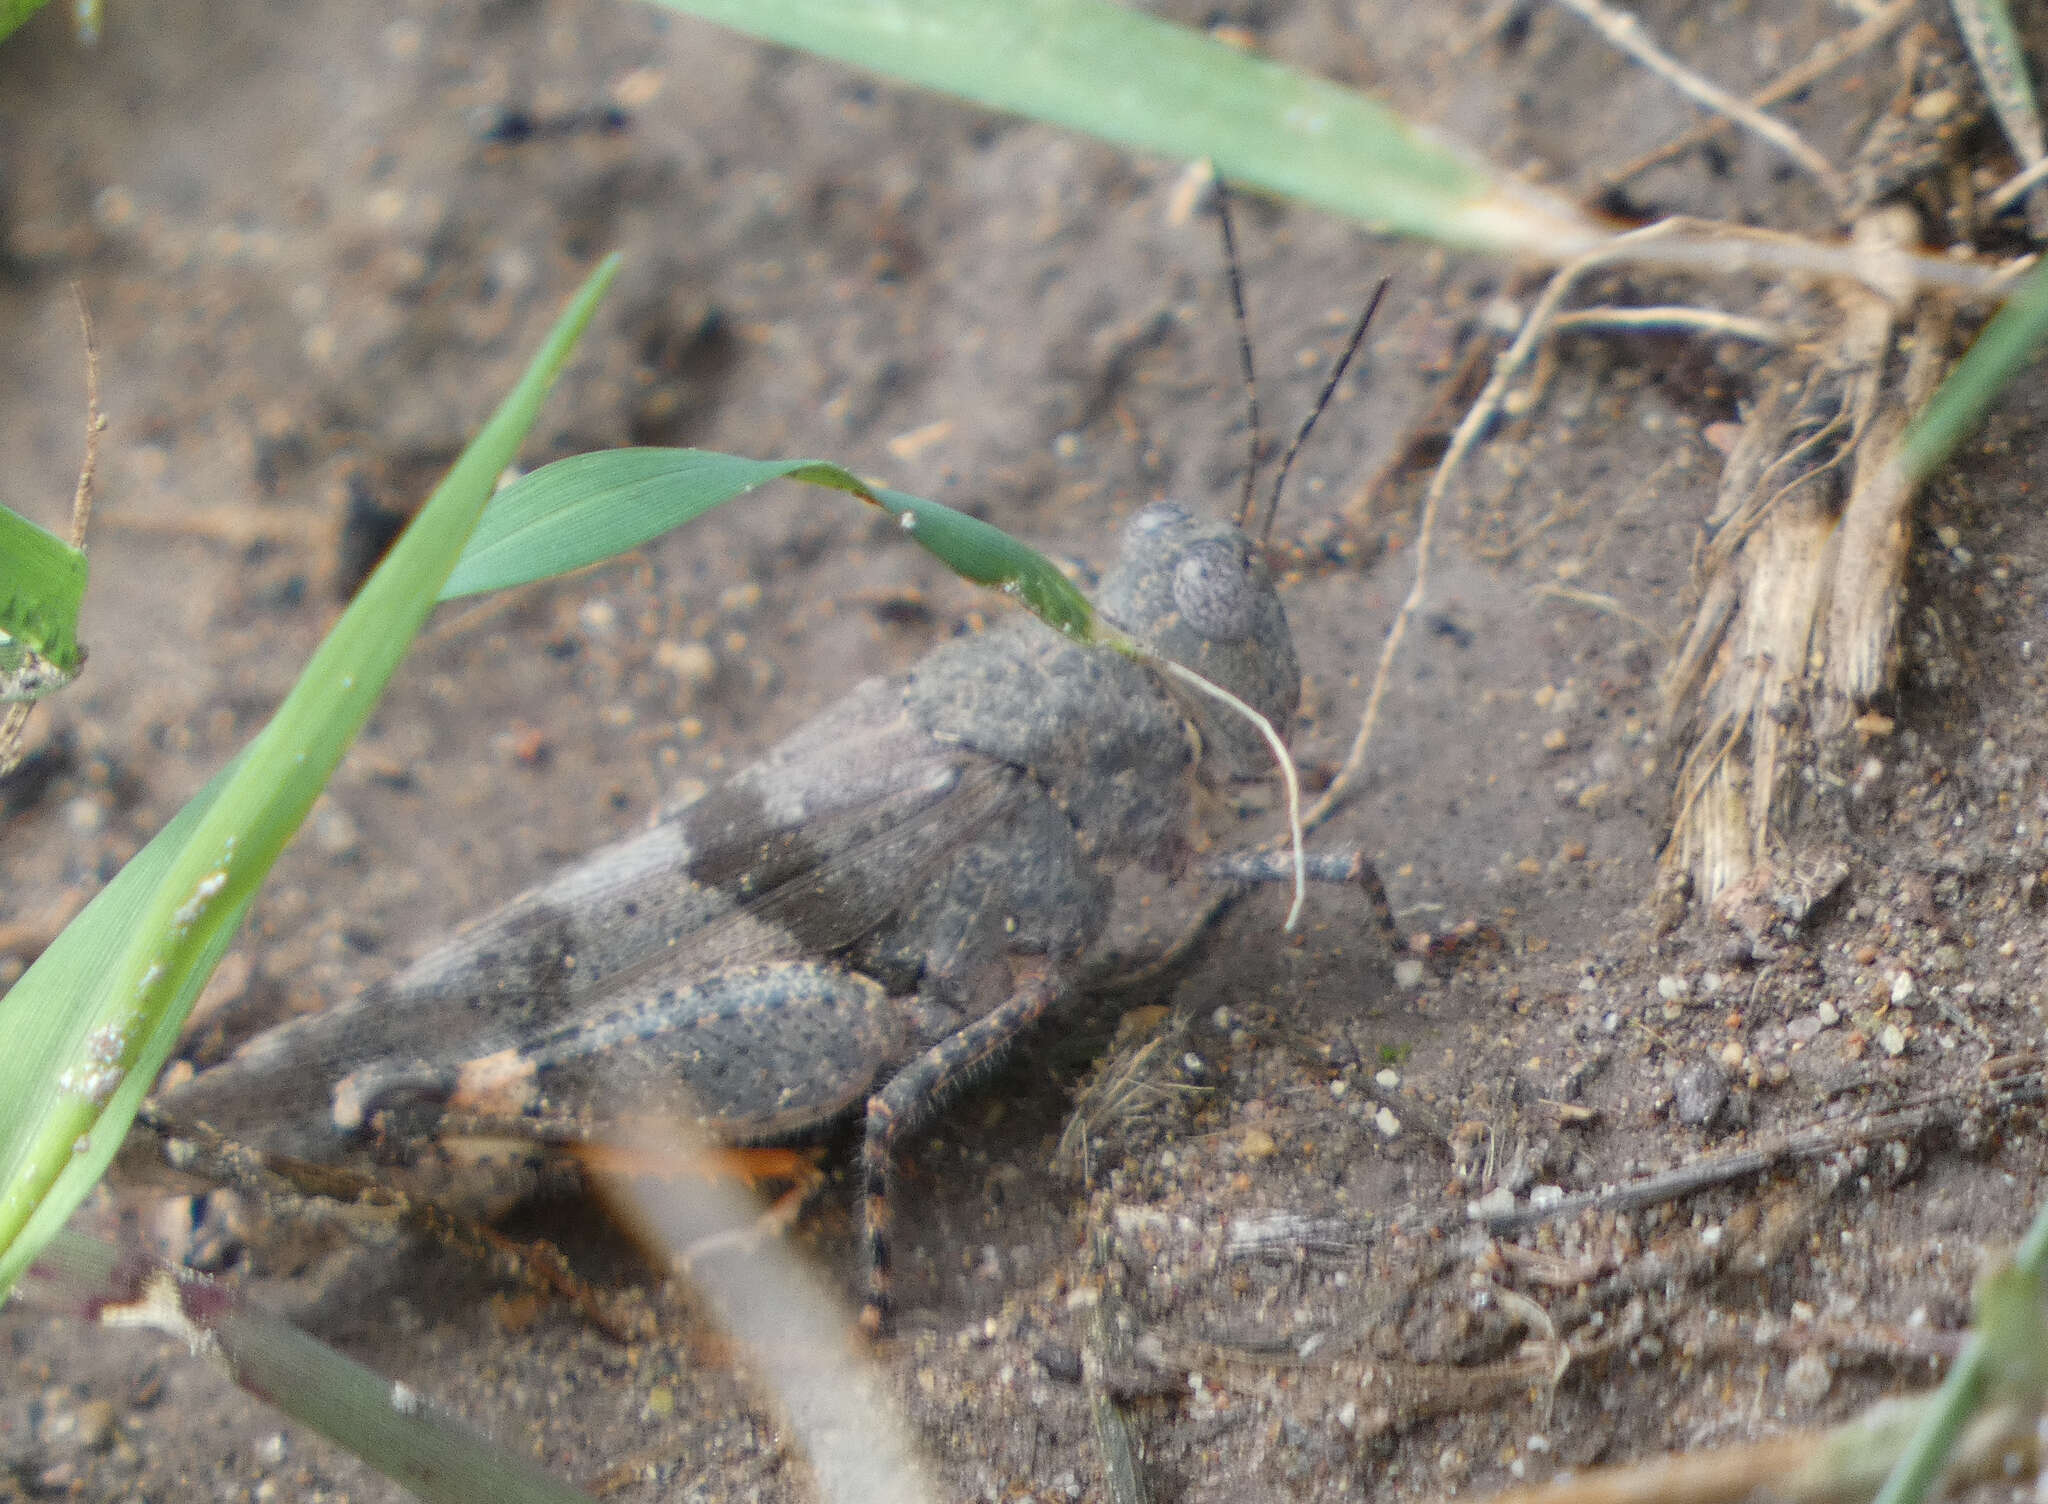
(1244, 347)
(1308, 424)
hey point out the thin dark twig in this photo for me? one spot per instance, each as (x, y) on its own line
(1329, 390)
(1244, 348)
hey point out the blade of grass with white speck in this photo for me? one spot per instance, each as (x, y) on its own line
(42, 585)
(91, 1023)
(589, 507)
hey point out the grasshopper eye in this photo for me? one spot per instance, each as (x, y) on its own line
(1214, 591)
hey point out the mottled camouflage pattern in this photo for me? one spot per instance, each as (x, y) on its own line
(890, 878)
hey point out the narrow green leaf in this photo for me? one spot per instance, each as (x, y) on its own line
(589, 507)
(987, 555)
(2001, 60)
(2007, 344)
(42, 585)
(396, 1431)
(14, 12)
(1147, 84)
(1948, 1412)
(92, 1022)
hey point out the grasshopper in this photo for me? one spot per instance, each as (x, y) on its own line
(864, 919)
(893, 894)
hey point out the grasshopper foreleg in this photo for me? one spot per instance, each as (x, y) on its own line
(1348, 867)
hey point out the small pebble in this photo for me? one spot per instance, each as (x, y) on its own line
(1892, 1040)
(1700, 1093)
(113, 207)
(335, 830)
(95, 1432)
(1809, 1379)
(1497, 1202)
(692, 662)
(1257, 1143)
(1388, 1125)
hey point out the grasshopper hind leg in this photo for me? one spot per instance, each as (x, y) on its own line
(908, 1100)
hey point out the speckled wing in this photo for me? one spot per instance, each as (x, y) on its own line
(795, 858)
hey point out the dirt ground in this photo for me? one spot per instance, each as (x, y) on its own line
(319, 240)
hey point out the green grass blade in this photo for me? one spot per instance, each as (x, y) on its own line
(591, 506)
(2001, 59)
(1915, 1474)
(42, 585)
(435, 1456)
(1149, 85)
(92, 1022)
(14, 12)
(1959, 404)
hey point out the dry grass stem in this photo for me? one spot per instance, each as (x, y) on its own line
(1606, 605)
(1707, 321)
(2016, 187)
(1894, 270)
(1477, 418)
(1878, 24)
(14, 723)
(1844, 1465)
(1625, 32)
(95, 424)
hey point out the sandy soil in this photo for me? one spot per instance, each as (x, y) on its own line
(319, 240)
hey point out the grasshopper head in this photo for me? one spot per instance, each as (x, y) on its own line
(1199, 593)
